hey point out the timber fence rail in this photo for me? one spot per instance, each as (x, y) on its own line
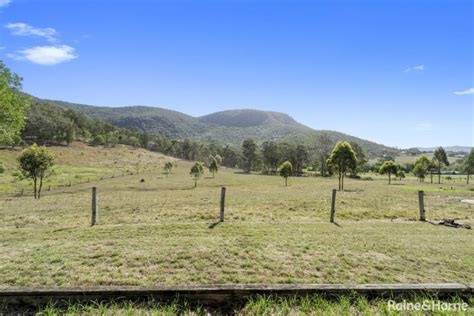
(224, 294)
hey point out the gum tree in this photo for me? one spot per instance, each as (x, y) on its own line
(342, 160)
(249, 151)
(422, 166)
(213, 166)
(390, 168)
(196, 172)
(440, 159)
(285, 170)
(36, 163)
(468, 165)
(168, 167)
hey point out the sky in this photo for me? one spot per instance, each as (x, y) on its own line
(397, 72)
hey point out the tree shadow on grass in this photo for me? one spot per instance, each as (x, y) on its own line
(188, 188)
(352, 191)
(211, 226)
(64, 229)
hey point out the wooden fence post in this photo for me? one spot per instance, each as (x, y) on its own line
(222, 203)
(333, 205)
(421, 202)
(95, 206)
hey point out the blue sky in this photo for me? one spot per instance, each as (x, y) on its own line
(396, 72)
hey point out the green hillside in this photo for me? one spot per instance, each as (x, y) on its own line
(227, 127)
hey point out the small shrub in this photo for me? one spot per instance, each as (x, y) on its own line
(2, 168)
(354, 176)
(17, 174)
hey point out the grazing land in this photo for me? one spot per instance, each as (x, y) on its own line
(158, 229)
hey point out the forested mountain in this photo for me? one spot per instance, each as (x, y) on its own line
(227, 127)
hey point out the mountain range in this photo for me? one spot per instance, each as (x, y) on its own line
(230, 127)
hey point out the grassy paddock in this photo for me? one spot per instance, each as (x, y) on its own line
(157, 229)
(79, 163)
(261, 305)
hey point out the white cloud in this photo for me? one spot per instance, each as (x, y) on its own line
(424, 127)
(467, 91)
(415, 68)
(23, 29)
(4, 3)
(46, 55)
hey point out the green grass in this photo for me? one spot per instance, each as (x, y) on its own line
(438, 188)
(260, 305)
(77, 164)
(163, 231)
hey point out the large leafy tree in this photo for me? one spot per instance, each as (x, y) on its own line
(196, 172)
(285, 170)
(468, 164)
(440, 159)
(342, 160)
(213, 165)
(422, 167)
(13, 106)
(36, 163)
(390, 168)
(249, 151)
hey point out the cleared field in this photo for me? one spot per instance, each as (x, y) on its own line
(79, 163)
(164, 231)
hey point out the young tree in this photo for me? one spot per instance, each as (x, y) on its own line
(440, 159)
(13, 106)
(168, 167)
(400, 174)
(213, 166)
(249, 149)
(341, 160)
(468, 164)
(421, 168)
(98, 139)
(197, 171)
(419, 172)
(285, 170)
(35, 163)
(389, 167)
